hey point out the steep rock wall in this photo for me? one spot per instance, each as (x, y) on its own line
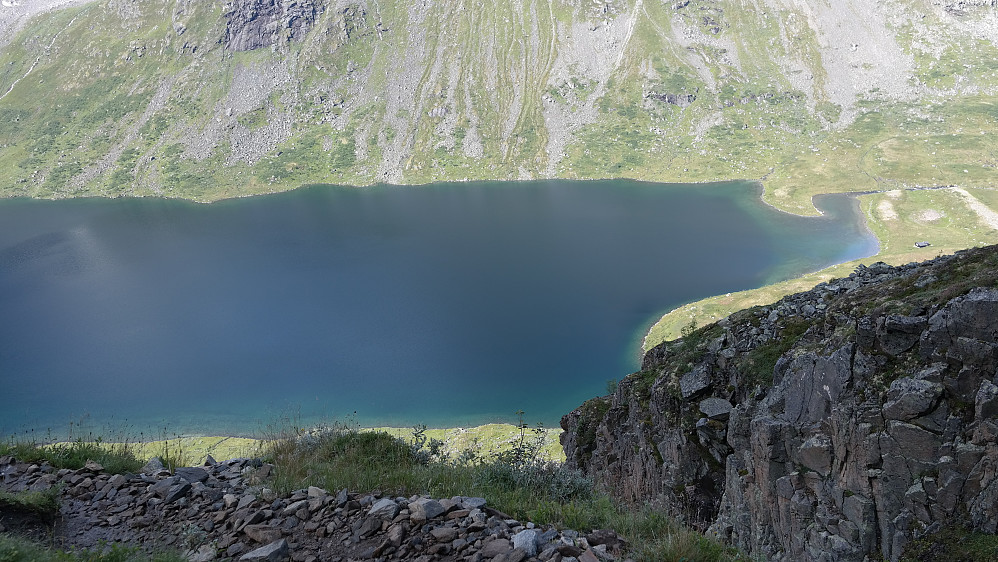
(252, 24)
(833, 425)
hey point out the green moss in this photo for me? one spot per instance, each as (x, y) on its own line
(592, 413)
(952, 543)
(758, 365)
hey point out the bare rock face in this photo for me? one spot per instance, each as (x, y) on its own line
(864, 414)
(252, 24)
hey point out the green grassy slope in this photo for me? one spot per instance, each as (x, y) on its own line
(146, 98)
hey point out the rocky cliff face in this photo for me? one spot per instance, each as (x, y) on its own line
(833, 425)
(252, 24)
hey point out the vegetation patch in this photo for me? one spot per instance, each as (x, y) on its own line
(116, 458)
(591, 414)
(43, 504)
(16, 549)
(758, 365)
(517, 482)
(952, 543)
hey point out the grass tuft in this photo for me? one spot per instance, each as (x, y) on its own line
(44, 503)
(16, 549)
(516, 481)
(116, 458)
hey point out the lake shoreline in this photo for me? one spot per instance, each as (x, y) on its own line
(135, 243)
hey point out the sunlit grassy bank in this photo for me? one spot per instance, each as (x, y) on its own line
(190, 450)
(945, 217)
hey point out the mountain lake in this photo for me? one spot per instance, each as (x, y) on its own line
(446, 305)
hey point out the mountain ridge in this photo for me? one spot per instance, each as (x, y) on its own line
(204, 100)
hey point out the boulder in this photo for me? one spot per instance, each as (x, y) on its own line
(526, 541)
(425, 509)
(277, 551)
(384, 508)
(716, 408)
(694, 383)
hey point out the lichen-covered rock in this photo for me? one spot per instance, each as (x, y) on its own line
(862, 416)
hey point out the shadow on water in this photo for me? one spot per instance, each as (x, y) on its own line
(451, 304)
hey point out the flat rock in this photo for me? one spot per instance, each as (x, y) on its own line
(264, 534)
(277, 551)
(496, 548)
(716, 408)
(192, 474)
(176, 492)
(444, 534)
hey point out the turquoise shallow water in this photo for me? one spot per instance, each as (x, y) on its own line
(451, 304)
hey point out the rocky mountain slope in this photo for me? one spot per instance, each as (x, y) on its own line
(207, 99)
(224, 511)
(836, 424)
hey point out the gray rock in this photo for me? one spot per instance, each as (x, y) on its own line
(444, 534)
(278, 551)
(526, 541)
(176, 492)
(384, 508)
(342, 497)
(153, 467)
(816, 453)
(425, 509)
(515, 555)
(245, 501)
(253, 24)
(294, 507)
(695, 382)
(496, 547)
(901, 333)
(716, 408)
(264, 534)
(368, 527)
(206, 553)
(473, 503)
(986, 401)
(909, 398)
(192, 474)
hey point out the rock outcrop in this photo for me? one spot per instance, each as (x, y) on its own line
(225, 511)
(836, 424)
(252, 24)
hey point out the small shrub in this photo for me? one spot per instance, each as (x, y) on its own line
(44, 504)
(16, 549)
(116, 458)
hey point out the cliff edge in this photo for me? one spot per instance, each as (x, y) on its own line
(835, 424)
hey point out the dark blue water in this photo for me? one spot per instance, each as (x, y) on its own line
(444, 305)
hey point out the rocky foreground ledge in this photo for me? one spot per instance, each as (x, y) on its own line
(838, 424)
(223, 511)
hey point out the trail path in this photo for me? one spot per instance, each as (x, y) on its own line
(985, 213)
(630, 31)
(38, 59)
